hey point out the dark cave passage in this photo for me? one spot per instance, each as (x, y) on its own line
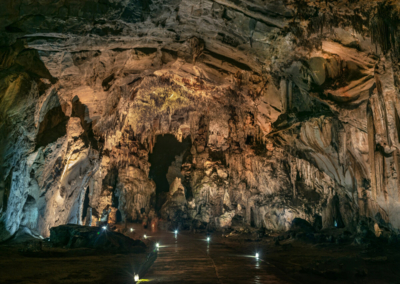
(164, 152)
(53, 126)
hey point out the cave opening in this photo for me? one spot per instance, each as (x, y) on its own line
(165, 151)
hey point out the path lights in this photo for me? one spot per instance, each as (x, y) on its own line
(136, 278)
(157, 245)
(208, 239)
(131, 229)
(145, 236)
(257, 255)
(104, 228)
(176, 231)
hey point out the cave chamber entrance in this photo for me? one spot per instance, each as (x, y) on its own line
(166, 162)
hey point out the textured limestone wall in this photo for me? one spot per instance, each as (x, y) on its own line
(293, 111)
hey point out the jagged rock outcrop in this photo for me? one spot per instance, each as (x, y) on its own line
(175, 208)
(292, 108)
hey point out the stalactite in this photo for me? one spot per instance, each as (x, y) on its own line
(371, 149)
(382, 178)
(383, 27)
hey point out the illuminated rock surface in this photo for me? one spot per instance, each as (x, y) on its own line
(291, 110)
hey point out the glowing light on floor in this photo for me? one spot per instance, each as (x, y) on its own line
(104, 228)
(131, 229)
(157, 245)
(176, 231)
(257, 255)
(145, 236)
(208, 239)
(136, 277)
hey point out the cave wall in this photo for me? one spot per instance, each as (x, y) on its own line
(292, 108)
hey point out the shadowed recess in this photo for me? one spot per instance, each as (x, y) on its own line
(164, 152)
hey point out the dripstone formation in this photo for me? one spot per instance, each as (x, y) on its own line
(291, 107)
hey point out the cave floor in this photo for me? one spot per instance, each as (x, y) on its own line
(324, 262)
(51, 266)
(189, 258)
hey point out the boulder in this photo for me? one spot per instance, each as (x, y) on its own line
(225, 220)
(75, 236)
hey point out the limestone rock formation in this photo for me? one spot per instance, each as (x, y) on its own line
(74, 236)
(292, 109)
(176, 205)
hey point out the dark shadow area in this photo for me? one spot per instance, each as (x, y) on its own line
(118, 216)
(249, 139)
(114, 199)
(337, 217)
(80, 110)
(53, 126)
(6, 191)
(252, 218)
(85, 204)
(397, 119)
(164, 152)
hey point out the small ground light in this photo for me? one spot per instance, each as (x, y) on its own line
(145, 236)
(157, 245)
(257, 255)
(208, 239)
(104, 227)
(176, 231)
(131, 230)
(136, 277)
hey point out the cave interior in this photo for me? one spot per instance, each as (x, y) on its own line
(231, 127)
